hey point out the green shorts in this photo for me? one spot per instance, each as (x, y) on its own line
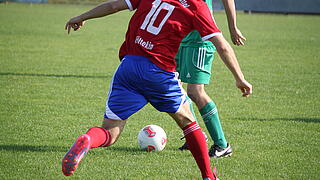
(194, 61)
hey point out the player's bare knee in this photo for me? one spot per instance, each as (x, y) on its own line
(114, 127)
(112, 141)
(184, 121)
(194, 94)
(184, 116)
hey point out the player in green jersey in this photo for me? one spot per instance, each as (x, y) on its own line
(194, 61)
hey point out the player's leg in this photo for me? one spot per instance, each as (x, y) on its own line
(182, 69)
(185, 145)
(200, 70)
(183, 65)
(197, 72)
(95, 137)
(166, 95)
(122, 102)
(195, 139)
(190, 106)
(209, 113)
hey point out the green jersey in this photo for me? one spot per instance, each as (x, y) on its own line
(194, 36)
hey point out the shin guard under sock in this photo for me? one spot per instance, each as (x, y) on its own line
(211, 119)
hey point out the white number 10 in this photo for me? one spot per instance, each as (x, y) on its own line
(157, 6)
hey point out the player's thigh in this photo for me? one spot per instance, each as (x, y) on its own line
(122, 103)
(123, 99)
(165, 93)
(195, 89)
(196, 63)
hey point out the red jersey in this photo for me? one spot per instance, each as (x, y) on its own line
(158, 26)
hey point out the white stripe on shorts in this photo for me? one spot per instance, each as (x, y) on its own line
(108, 111)
(129, 5)
(201, 57)
(183, 98)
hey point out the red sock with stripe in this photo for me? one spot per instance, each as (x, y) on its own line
(99, 137)
(198, 146)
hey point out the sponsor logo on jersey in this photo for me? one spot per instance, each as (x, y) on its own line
(143, 43)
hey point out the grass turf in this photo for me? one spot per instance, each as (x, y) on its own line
(53, 88)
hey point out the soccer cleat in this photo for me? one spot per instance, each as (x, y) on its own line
(72, 158)
(218, 152)
(184, 147)
(215, 176)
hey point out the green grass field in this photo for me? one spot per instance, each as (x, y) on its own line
(53, 87)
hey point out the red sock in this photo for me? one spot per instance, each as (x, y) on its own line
(99, 137)
(198, 146)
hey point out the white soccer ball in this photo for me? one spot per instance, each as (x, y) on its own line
(152, 138)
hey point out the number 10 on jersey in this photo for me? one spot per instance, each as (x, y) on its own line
(149, 20)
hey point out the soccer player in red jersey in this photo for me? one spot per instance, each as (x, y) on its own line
(147, 74)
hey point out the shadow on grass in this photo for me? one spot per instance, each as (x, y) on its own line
(29, 148)
(53, 75)
(131, 150)
(123, 148)
(308, 120)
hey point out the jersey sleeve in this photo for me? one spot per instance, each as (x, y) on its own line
(132, 4)
(204, 23)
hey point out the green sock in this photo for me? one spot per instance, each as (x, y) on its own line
(210, 116)
(191, 108)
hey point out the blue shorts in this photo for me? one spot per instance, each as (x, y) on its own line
(138, 81)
